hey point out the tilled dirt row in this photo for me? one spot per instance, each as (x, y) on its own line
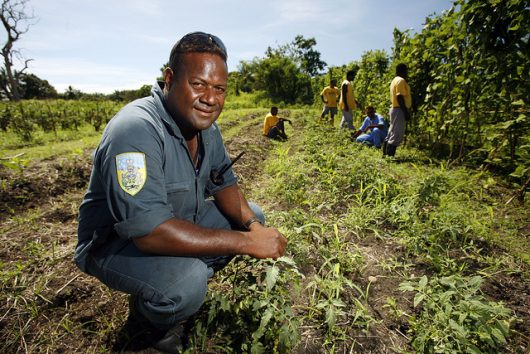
(48, 305)
(45, 296)
(31, 186)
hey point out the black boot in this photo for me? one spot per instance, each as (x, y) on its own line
(142, 334)
(172, 341)
(391, 149)
(384, 147)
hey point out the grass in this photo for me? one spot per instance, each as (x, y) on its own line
(375, 247)
(46, 145)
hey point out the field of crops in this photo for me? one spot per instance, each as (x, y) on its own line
(410, 254)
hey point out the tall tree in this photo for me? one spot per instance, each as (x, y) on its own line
(16, 23)
(308, 57)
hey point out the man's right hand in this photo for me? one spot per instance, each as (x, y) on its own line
(265, 242)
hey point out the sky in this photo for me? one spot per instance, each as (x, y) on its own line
(107, 45)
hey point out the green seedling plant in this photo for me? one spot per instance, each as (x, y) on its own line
(256, 315)
(334, 297)
(454, 317)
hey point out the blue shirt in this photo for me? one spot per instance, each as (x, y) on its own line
(143, 175)
(378, 119)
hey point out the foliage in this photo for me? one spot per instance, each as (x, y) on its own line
(130, 95)
(469, 72)
(307, 57)
(284, 74)
(455, 317)
(357, 226)
(371, 76)
(31, 86)
(256, 315)
(26, 117)
(282, 80)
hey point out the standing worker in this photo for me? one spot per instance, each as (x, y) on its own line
(329, 96)
(401, 100)
(147, 226)
(347, 101)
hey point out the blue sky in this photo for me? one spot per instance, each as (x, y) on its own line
(107, 45)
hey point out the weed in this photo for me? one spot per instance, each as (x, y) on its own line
(455, 317)
(256, 316)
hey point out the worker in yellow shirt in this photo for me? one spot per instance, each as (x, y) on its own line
(347, 102)
(273, 126)
(401, 100)
(329, 96)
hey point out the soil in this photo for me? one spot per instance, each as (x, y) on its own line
(51, 296)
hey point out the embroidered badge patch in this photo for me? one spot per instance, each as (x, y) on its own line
(131, 171)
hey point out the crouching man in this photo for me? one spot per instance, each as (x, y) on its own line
(146, 226)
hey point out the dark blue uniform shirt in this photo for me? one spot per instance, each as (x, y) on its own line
(143, 175)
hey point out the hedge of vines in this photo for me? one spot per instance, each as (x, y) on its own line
(469, 69)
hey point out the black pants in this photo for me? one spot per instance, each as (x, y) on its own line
(277, 131)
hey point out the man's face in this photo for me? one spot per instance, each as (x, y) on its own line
(195, 95)
(370, 113)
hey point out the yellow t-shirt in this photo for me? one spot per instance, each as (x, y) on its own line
(269, 122)
(399, 86)
(330, 95)
(350, 97)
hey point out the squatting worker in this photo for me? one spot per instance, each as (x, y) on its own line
(401, 100)
(274, 126)
(145, 225)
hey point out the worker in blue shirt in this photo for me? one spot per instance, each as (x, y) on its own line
(147, 224)
(373, 130)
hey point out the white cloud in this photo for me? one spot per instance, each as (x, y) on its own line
(300, 10)
(90, 76)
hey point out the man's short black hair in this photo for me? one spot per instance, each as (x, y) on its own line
(401, 68)
(196, 42)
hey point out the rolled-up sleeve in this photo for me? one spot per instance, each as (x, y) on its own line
(142, 224)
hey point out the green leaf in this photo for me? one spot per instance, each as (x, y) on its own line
(271, 277)
(423, 282)
(418, 298)
(461, 331)
(257, 348)
(287, 260)
(406, 286)
(504, 327)
(498, 335)
(331, 316)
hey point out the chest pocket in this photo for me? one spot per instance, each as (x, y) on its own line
(181, 196)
